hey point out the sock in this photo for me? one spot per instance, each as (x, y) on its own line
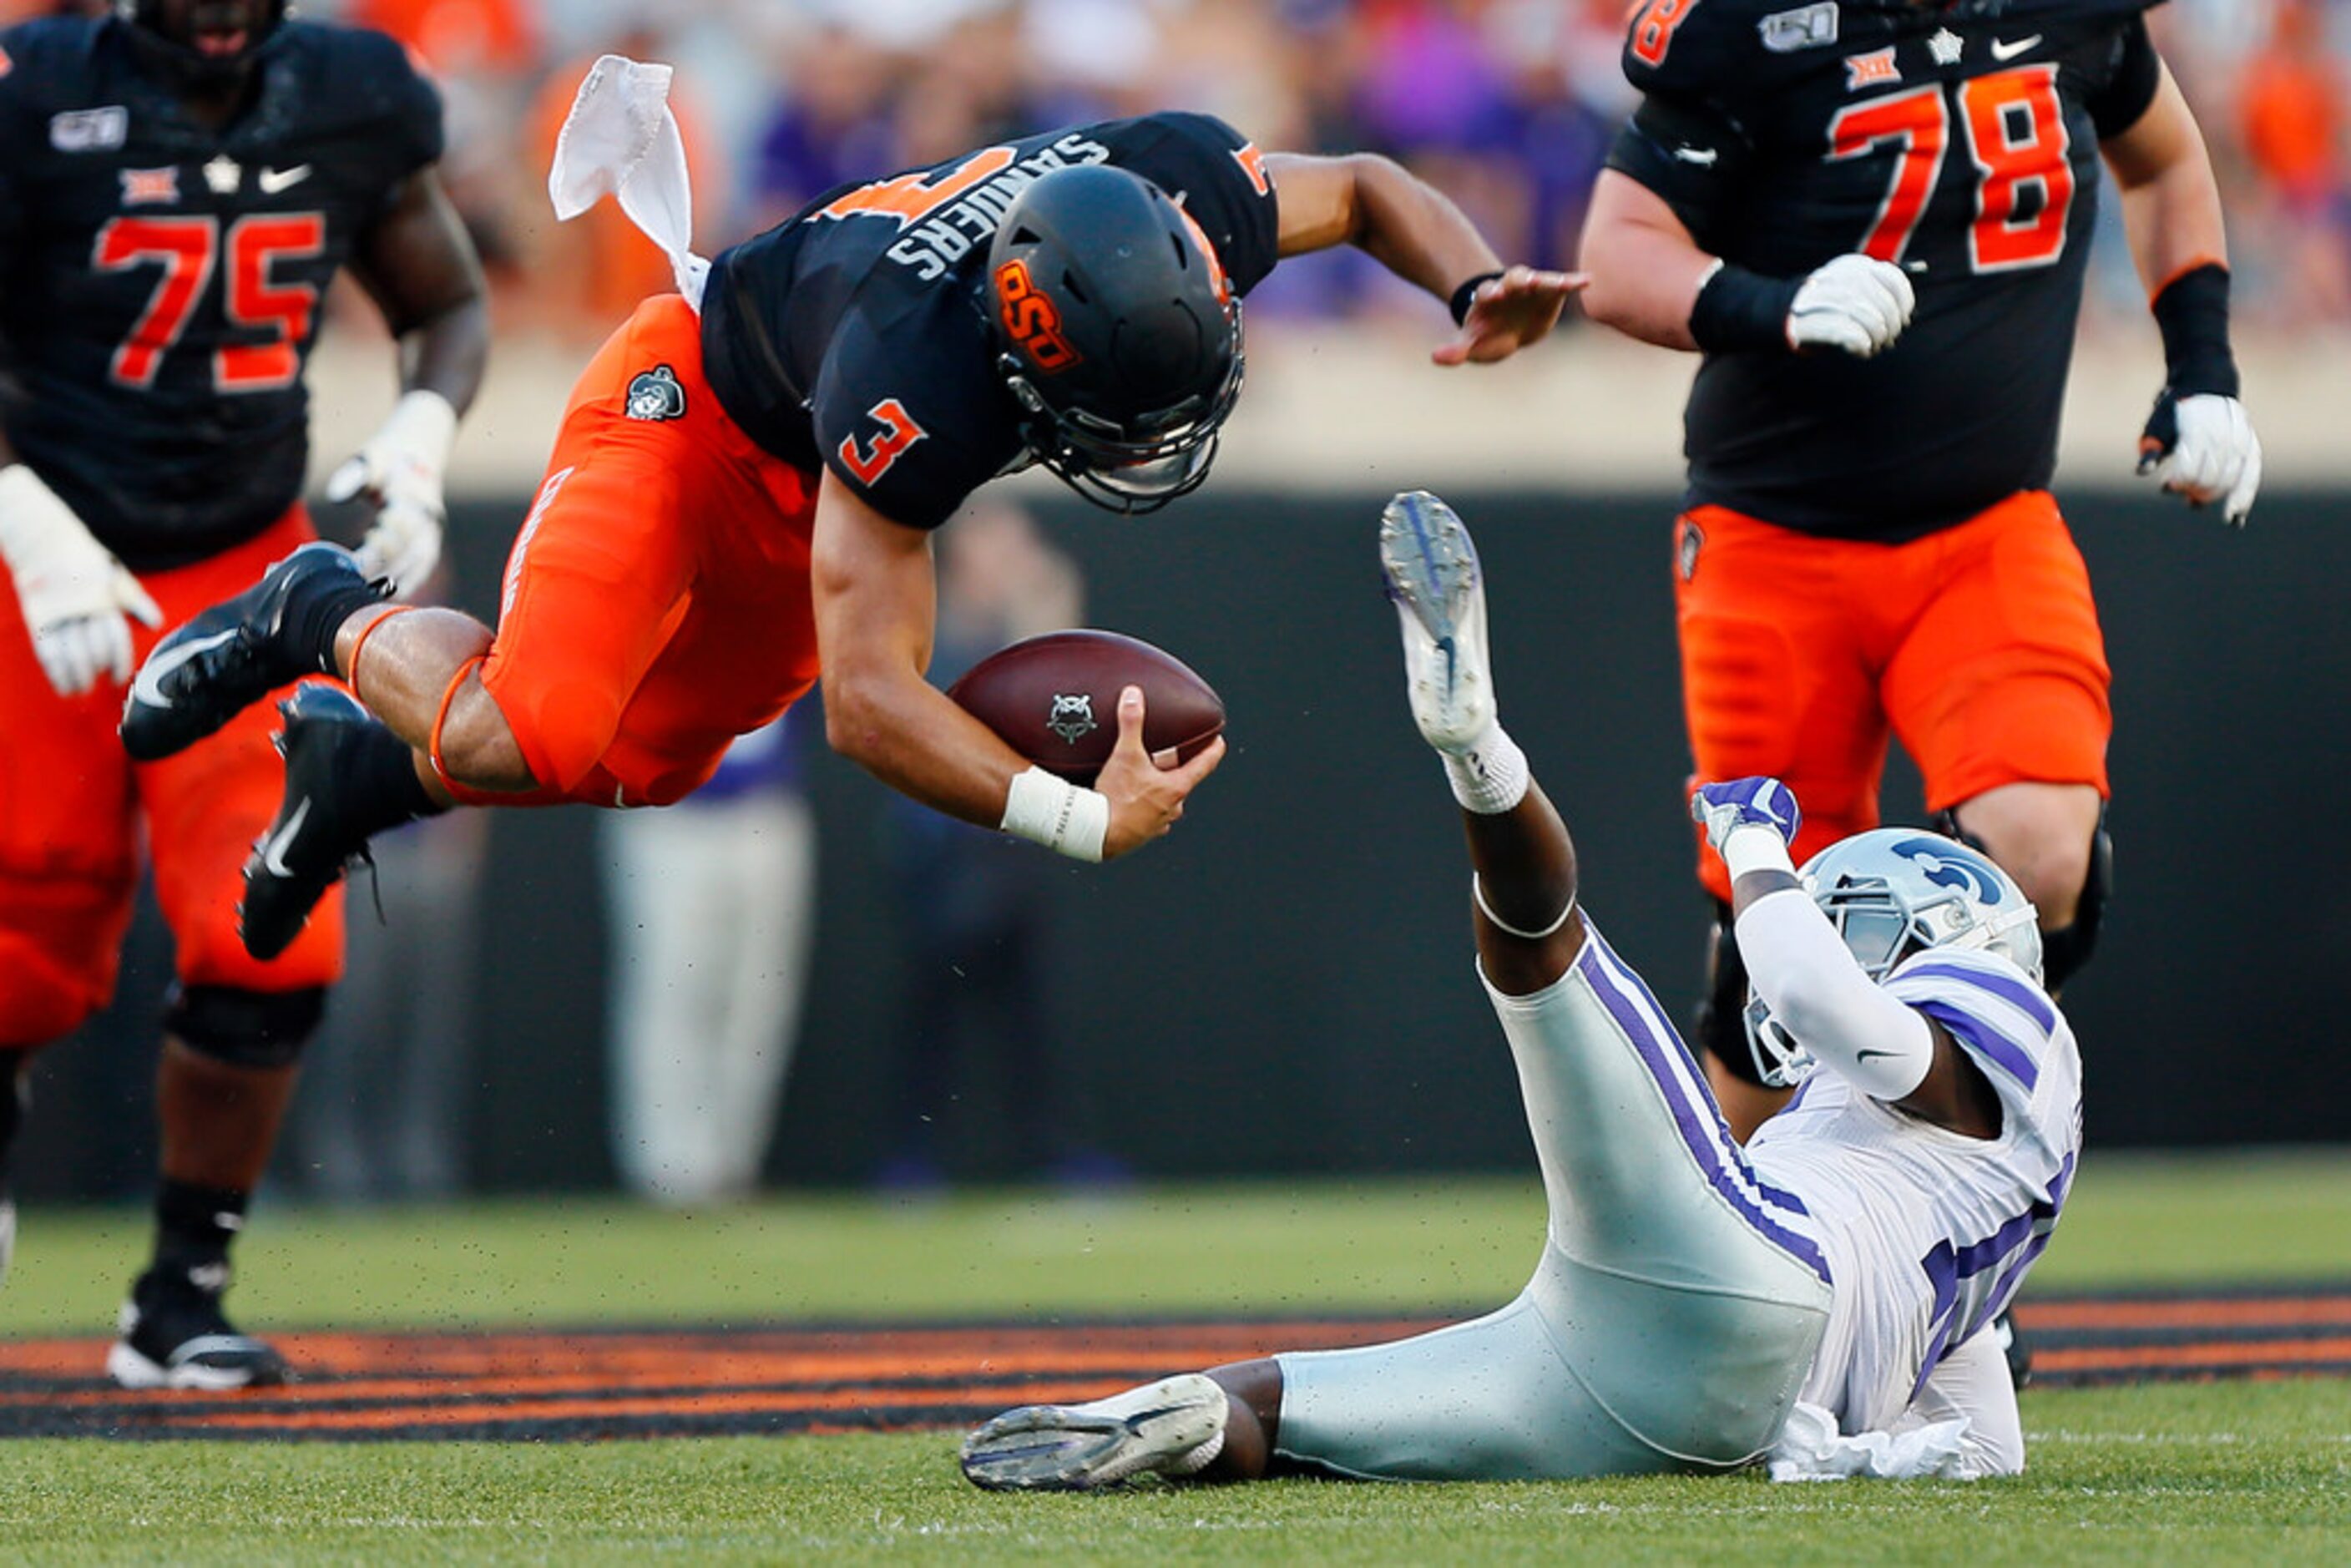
(1490, 778)
(194, 1225)
(316, 610)
(13, 1094)
(376, 783)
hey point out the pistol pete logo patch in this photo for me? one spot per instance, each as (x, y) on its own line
(655, 395)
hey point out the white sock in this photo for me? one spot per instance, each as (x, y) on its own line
(1490, 778)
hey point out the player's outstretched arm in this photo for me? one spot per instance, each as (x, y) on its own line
(1650, 279)
(418, 264)
(2199, 443)
(876, 608)
(1413, 230)
(1803, 972)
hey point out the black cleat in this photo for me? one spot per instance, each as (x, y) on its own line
(173, 1336)
(2013, 1347)
(234, 655)
(312, 842)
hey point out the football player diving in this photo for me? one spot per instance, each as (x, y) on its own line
(1822, 1299)
(181, 182)
(1874, 220)
(742, 495)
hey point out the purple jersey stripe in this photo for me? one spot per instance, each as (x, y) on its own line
(2025, 998)
(1985, 1040)
(1699, 1123)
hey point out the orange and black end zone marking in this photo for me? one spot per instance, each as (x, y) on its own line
(603, 1384)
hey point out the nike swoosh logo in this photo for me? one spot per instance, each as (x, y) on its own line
(1862, 1055)
(273, 181)
(273, 853)
(2001, 50)
(1703, 157)
(148, 688)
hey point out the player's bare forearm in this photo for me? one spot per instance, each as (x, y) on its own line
(1645, 269)
(2171, 203)
(876, 601)
(1374, 203)
(418, 265)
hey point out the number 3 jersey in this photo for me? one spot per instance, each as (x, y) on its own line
(160, 282)
(854, 335)
(1928, 1233)
(1959, 142)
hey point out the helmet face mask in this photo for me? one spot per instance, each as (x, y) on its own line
(1118, 335)
(1892, 893)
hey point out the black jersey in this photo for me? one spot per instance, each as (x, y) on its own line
(854, 335)
(160, 282)
(1959, 141)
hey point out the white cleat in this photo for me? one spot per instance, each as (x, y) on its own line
(1173, 1427)
(1439, 593)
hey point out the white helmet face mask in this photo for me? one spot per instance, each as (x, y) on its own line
(1890, 892)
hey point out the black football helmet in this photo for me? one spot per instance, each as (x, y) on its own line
(1117, 333)
(191, 59)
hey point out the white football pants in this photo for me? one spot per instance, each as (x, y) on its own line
(1675, 1312)
(710, 908)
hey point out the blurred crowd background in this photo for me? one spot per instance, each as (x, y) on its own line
(1509, 105)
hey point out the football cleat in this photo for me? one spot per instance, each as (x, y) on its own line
(1439, 593)
(234, 655)
(1173, 1427)
(310, 843)
(173, 1336)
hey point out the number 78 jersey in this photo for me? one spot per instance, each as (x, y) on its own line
(1958, 142)
(163, 281)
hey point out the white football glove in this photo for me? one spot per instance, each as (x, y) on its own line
(2203, 447)
(399, 472)
(1855, 304)
(74, 592)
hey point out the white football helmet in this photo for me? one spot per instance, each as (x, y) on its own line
(1890, 892)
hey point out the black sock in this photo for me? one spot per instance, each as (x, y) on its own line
(376, 783)
(16, 1091)
(194, 1225)
(315, 609)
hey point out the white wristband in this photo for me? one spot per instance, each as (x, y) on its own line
(1048, 810)
(424, 425)
(1751, 846)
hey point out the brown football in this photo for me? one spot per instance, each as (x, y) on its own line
(1054, 700)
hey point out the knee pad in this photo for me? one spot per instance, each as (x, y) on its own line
(1720, 1025)
(2065, 948)
(252, 1029)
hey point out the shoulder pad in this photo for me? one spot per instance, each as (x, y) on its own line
(45, 62)
(1692, 48)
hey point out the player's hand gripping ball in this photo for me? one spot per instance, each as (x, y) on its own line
(1054, 700)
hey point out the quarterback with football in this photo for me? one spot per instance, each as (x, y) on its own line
(744, 489)
(1821, 1299)
(181, 183)
(1872, 218)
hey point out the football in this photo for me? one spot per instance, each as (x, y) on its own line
(1054, 700)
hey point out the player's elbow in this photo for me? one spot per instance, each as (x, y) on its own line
(854, 722)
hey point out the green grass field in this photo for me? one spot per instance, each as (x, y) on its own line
(2220, 1473)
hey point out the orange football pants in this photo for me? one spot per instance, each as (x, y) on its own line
(72, 804)
(656, 602)
(1978, 645)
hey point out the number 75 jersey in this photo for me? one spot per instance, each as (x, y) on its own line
(161, 283)
(1959, 141)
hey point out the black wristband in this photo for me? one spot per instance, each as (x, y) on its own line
(1742, 309)
(1467, 296)
(2192, 313)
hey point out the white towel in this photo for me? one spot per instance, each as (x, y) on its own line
(621, 139)
(1811, 1449)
